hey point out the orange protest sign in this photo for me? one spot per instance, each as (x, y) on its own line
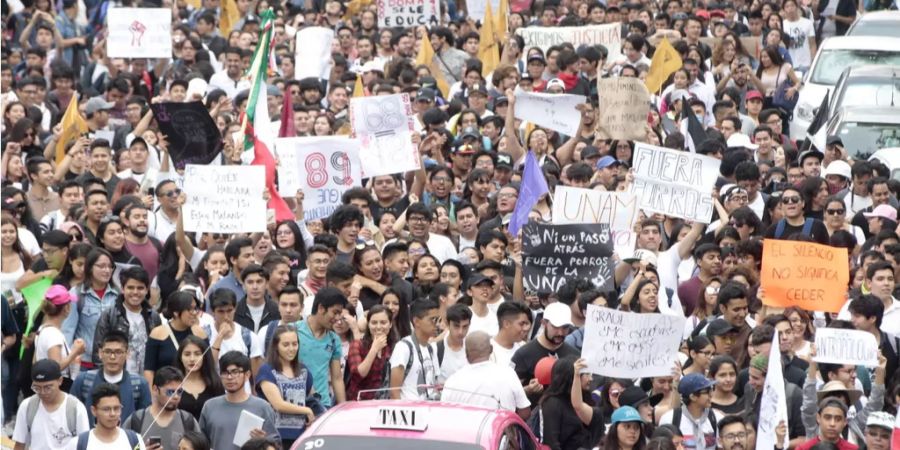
(811, 276)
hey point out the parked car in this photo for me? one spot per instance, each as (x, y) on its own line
(890, 157)
(863, 129)
(415, 425)
(876, 23)
(834, 55)
(866, 86)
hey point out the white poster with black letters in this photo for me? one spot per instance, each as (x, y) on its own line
(674, 182)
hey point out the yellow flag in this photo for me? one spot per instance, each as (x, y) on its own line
(358, 89)
(425, 57)
(488, 50)
(501, 23)
(229, 17)
(665, 62)
(73, 125)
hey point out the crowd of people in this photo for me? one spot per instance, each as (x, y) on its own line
(152, 337)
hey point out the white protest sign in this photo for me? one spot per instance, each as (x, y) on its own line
(839, 346)
(630, 345)
(675, 183)
(323, 167)
(407, 13)
(618, 209)
(623, 106)
(478, 8)
(224, 199)
(384, 127)
(609, 35)
(313, 53)
(139, 33)
(773, 406)
(554, 111)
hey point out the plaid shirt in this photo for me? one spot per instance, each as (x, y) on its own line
(375, 379)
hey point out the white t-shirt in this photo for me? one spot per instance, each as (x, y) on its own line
(488, 323)
(486, 384)
(121, 443)
(137, 342)
(428, 362)
(236, 342)
(441, 247)
(50, 430)
(501, 355)
(49, 337)
(453, 360)
(256, 313)
(800, 32)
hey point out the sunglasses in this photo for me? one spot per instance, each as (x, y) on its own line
(835, 212)
(790, 200)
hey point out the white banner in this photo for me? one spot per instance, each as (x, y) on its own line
(407, 13)
(384, 127)
(630, 345)
(609, 35)
(618, 209)
(224, 199)
(839, 346)
(323, 167)
(557, 112)
(675, 183)
(773, 406)
(478, 8)
(139, 33)
(313, 55)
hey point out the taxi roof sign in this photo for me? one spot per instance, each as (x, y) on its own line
(401, 418)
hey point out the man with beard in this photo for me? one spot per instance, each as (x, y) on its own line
(162, 419)
(230, 80)
(137, 241)
(733, 433)
(556, 322)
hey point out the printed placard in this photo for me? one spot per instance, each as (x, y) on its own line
(323, 167)
(139, 33)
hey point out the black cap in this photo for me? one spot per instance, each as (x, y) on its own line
(138, 139)
(537, 57)
(834, 140)
(501, 100)
(504, 161)
(589, 151)
(434, 116)
(633, 396)
(477, 88)
(45, 370)
(477, 278)
(426, 94)
(718, 327)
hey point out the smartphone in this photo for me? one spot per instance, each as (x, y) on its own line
(155, 440)
(151, 191)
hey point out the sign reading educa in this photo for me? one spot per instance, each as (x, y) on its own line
(407, 13)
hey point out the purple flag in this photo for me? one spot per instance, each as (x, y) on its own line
(534, 185)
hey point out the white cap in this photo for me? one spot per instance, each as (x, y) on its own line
(197, 86)
(880, 419)
(838, 167)
(741, 140)
(558, 314)
(642, 255)
(372, 66)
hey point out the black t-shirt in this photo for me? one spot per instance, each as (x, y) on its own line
(397, 208)
(562, 429)
(527, 356)
(818, 231)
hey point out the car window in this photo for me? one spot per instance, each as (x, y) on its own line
(861, 139)
(870, 93)
(881, 28)
(515, 438)
(832, 62)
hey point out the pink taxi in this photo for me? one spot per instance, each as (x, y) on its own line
(414, 425)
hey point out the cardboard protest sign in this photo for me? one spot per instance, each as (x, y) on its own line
(557, 112)
(617, 209)
(609, 35)
(193, 135)
(224, 199)
(811, 276)
(139, 33)
(623, 108)
(323, 167)
(839, 346)
(384, 127)
(407, 13)
(673, 182)
(313, 46)
(630, 345)
(773, 406)
(554, 255)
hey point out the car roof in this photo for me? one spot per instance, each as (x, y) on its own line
(445, 421)
(890, 156)
(878, 70)
(861, 43)
(880, 16)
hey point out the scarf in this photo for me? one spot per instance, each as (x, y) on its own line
(569, 79)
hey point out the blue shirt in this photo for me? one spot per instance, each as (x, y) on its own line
(85, 314)
(228, 282)
(294, 391)
(317, 355)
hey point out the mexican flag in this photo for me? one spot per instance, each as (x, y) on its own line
(259, 137)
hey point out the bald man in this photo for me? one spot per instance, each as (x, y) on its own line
(486, 383)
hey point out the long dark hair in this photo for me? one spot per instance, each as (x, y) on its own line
(401, 323)
(207, 371)
(299, 244)
(92, 257)
(202, 273)
(774, 56)
(367, 336)
(695, 344)
(7, 219)
(357, 263)
(561, 376)
(612, 438)
(67, 273)
(273, 358)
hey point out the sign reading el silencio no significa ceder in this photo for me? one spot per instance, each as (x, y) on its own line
(811, 276)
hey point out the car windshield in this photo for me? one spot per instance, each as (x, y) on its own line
(881, 28)
(377, 443)
(871, 93)
(862, 139)
(832, 62)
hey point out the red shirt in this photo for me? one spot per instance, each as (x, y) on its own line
(374, 379)
(842, 444)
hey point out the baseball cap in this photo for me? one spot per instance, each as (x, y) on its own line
(642, 255)
(178, 82)
(504, 160)
(272, 90)
(471, 132)
(97, 104)
(832, 140)
(626, 414)
(501, 100)
(605, 162)
(558, 314)
(434, 116)
(883, 211)
(880, 419)
(58, 295)
(477, 278)
(702, 13)
(633, 396)
(372, 66)
(555, 82)
(838, 167)
(45, 370)
(198, 86)
(741, 140)
(425, 94)
(753, 95)
(589, 151)
(811, 152)
(692, 383)
(477, 88)
(538, 58)
(718, 327)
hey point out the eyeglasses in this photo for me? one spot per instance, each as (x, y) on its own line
(417, 219)
(440, 179)
(507, 195)
(109, 219)
(773, 121)
(110, 409)
(233, 373)
(734, 436)
(712, 290)
(170, 194)
(790, 200)
(116, 353)
(835, 212)
(42, 389)
(171, 392)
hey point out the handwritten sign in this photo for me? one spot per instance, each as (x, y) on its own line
(139, 33)
(609, 35)
(407, 13)
(224, 199)
(558, 254)
(323, 167)
(554, 111)
(384, 127)
(630, 345)
(773, 406)
(623, 108)
(193, 136)
(811, 276)
(839, 346)
(313, 46)
(616, 209)
(674, 183)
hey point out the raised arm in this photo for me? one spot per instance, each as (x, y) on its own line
(512, 139)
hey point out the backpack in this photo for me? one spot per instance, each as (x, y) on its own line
(87, 387)
(138, 419)
(779, 228)
(441, 348)
(133, 441)
(71, 414)
(676, 418)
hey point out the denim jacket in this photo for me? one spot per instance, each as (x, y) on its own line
(85, 314)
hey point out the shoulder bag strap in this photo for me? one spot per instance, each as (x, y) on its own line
(171, 334)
